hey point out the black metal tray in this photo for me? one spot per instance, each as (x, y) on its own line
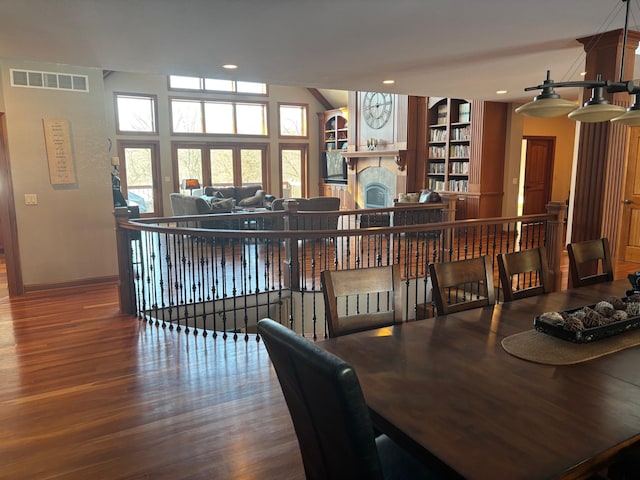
(588, 334)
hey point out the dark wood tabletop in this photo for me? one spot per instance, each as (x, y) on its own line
(447, 390)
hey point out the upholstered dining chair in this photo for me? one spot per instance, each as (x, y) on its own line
(589, 262)
(524, 273)
(329, 413)
(462, 285)
(361, 299)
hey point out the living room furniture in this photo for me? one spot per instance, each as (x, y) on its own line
(495, 415)
(589, 262)
(361, 299)
(465, 150)
(198, 205)
(463, 284)
(530, 269)
(330, 415)
(313, 204)
(413, 216)
(244, 196)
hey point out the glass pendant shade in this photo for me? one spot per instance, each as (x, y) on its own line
(546, 108)
(602, 112)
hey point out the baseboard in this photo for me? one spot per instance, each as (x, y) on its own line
(74, 284)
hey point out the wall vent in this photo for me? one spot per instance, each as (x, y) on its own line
(49, 80)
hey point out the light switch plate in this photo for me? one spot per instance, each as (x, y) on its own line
(30, 199)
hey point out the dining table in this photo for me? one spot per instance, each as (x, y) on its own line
(446, 389)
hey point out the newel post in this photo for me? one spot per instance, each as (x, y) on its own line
(291, 262)
(555, 240)
(123, 250)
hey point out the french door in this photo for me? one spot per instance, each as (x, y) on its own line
(221, 163)
(140, 176)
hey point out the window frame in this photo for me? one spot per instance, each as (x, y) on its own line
(304, 148)
(156, 175)
(234, 102)
(153, 97)
(206, 148)
(306, 120)
(202, 89)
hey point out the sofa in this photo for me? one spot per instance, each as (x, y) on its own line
(244, 196)
(310, 222)
(406, 213)
(200, 205)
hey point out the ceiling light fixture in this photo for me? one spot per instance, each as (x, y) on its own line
(598, 109)
(388, 82)
(230, 66)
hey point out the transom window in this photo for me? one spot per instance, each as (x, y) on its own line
(218, 117)
(177, 82)
(293, 120)
(136, 113)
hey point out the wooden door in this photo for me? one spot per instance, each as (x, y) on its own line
(630, 223)
(538, 174)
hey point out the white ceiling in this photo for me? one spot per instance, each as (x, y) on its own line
(463, 48)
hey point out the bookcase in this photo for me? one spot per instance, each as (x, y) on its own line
(334, 139)
(449, 144)
(464, 149)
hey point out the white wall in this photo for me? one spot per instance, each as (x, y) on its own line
(69, 235)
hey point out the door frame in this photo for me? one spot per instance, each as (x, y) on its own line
(8, 222)
(154, 145)
(549, 173)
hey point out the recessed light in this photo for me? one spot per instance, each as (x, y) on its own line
(230, 66)
(388, 82)
(501, 92)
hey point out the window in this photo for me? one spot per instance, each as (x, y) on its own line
(293, 120)
(220, 163)
(140, 181)
(218, 117)
(293, 170)
(177, 82)
(136, 113)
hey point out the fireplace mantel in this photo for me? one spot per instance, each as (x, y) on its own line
(400, 157)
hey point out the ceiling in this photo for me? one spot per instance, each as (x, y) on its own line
(463, 48)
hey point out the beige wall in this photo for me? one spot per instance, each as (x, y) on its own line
(520, 126)
(157, 85)
(69, 235)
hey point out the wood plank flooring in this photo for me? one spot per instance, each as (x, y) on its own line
(88, 393)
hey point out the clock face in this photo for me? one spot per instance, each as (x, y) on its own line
(377, 108)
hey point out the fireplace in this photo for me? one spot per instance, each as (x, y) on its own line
(375, 195)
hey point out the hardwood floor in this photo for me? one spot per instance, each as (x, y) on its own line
(88, 393)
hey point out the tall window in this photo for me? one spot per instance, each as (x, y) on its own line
(293, 170)
(136, 113)
(218, 117)
(139, 175)
(221, 163)
(293, 120)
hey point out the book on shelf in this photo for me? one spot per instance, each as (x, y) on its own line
(437, 152)
(436, 168)
(458, 185)
(464, 112)
(459, 168)
(461, 133)
(436, 185)
(459, 151)
(442, 115)
(437, 135)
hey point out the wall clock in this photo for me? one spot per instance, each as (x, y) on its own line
(377, 109)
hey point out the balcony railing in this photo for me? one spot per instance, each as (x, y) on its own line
(253, 265)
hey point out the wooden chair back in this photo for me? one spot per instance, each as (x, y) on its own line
(462, 285)
(589, 262)
(361, 299)
(524, 273)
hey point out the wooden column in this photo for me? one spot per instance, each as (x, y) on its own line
(555, 237)
(602, 146)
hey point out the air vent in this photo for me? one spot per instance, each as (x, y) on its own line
(49, 80)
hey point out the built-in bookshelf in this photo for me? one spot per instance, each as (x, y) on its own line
(465, 145)
(334, 139)
(449, 145)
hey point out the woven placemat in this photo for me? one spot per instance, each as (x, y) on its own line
(543, 348)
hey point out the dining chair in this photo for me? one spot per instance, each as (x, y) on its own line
(462, 285)
(524, 273)
(329, 413)
(361, 299)
(589, 262)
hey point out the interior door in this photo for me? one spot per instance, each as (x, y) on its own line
(538, 174)
(630, 224)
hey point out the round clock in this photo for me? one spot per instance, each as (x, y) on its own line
(377, 108)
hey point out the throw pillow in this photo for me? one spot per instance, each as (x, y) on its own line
(255, 201)
(429, 196)
(221, 205)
